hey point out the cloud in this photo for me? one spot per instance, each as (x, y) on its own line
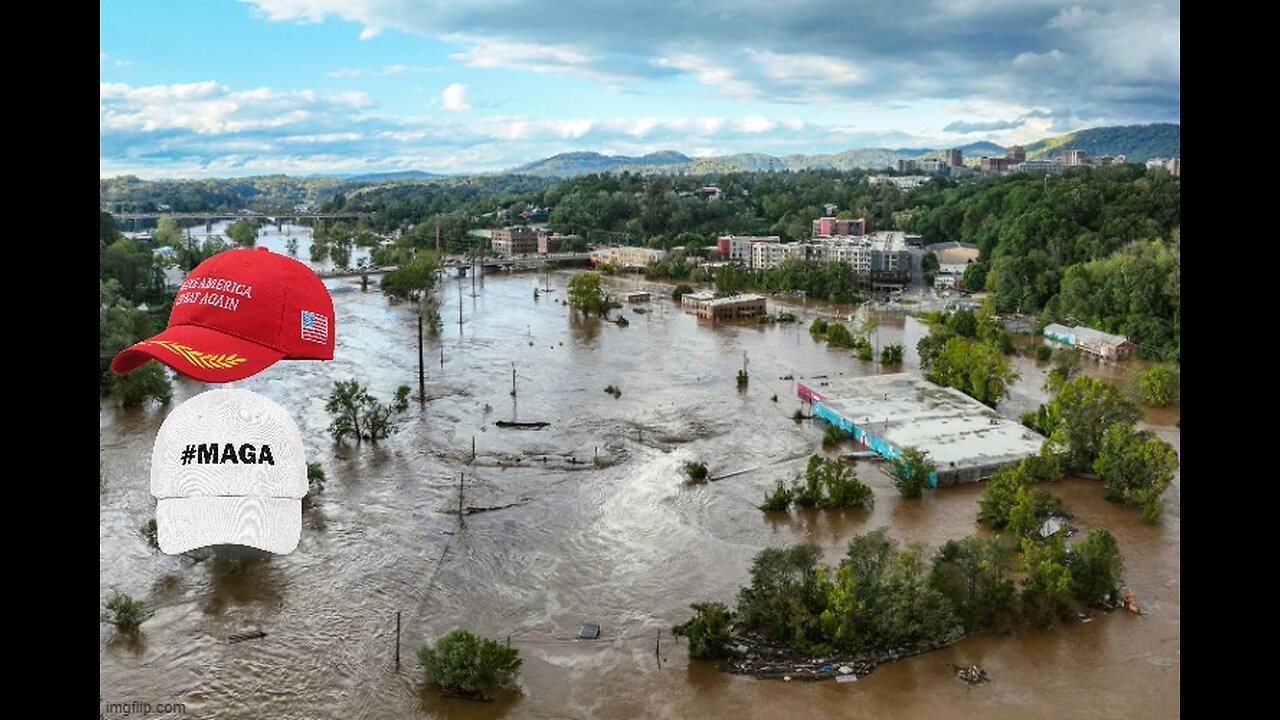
(454, 97)
(961, 126)
(1109, 58)
(1031, 59)
(206, 129)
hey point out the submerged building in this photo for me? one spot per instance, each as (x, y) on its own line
(965, 439)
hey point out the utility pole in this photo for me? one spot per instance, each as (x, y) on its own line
(422, 372)
(461, 520)
(513, 379)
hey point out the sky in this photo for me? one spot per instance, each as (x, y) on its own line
(229, 88)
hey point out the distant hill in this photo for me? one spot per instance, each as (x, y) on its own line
(580, 163)
(1136, 142)
(389, 176)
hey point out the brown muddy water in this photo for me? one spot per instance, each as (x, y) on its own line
(624, 543)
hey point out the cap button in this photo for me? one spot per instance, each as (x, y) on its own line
(264, 249)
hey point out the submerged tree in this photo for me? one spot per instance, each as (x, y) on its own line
(586, 295)
(1095, 565)
(124, 612)
(462, 664)
(357, 413)
(1136, 468)
(911, 470)
(708, 631)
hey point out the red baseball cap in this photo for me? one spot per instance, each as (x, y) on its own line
(236, 314)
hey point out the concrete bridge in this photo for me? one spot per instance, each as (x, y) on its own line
(238, 215)
(277, 219)
(515, 262)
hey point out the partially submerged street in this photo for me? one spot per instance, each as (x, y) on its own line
(589, 520)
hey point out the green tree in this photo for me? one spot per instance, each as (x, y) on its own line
(167, 232)
(357, 413)
(124, 612)
(708, 631)
(315, 478)
(1095, 564)
(1159, 385)
(412, 280)
(150, 533)
(1000, 496)
(730, 280)
(818, 327)
(840, 487)
(785, 599)
(973, 573)
(777, 500)
(680, 291)
(462, 664)
(1022, 521)
(911, 470)
(972, 367)
(839, 335)
(129, 263)
(586, 295)
(1136, 467)
(696, 471)
(243, 233)
(963, 323)
(1046, 586)
(149, 382)
(1077, 416)
(891, 354)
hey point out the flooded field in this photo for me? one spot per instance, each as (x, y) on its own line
(601, 527)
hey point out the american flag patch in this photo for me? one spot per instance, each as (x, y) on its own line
(315, 327)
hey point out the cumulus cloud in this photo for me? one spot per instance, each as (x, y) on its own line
(1102, 59)
(454, 97)
(961, 126)
(209, 129)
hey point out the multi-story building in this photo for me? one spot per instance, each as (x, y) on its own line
(734, 307)
(1173, 165)
(1015, 154)
(995, 164)
(830, 226)
(1051, 167)
(549, 243)
(519, 240)
(955, 157)
(907, 182)
(890, 260)
(1072, 158)
(737, 248)
(627, 257)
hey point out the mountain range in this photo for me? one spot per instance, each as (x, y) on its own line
(1136, 142)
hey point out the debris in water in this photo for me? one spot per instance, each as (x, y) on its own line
(589, 631)
(847, 678)
(971, 674)
(241, 637)
(1131, 601)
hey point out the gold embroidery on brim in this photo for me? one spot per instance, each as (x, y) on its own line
(208, 361)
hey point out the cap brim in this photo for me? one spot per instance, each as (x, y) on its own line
(206, 355)
(272, 524)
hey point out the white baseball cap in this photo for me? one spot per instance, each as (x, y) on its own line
(228, 468)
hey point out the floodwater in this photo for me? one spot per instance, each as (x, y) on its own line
(623, 541)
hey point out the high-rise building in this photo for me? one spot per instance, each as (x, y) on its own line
(1072, 158)
(1015, 154)
(828, 226)
(955, 158)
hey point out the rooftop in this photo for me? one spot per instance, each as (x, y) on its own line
(747, 297)
(907, 411)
